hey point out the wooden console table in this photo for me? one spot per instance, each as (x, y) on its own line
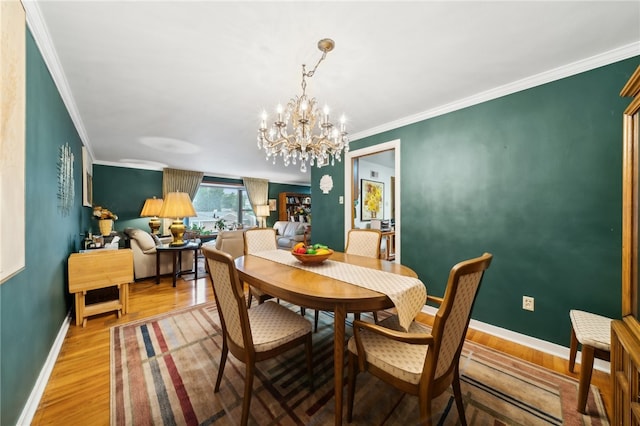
(100, 269)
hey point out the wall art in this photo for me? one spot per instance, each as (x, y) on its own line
(66, 187)
(12, 138)
(372, 194)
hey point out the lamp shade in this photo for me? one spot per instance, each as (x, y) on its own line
(262, 210)
(177, 205)
(151, 207)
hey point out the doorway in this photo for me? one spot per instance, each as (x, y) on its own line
(378, 165)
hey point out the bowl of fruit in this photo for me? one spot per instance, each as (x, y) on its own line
(311, 254)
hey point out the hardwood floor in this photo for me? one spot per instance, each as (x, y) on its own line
(78, 389)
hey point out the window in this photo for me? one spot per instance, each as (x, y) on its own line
(229, 203)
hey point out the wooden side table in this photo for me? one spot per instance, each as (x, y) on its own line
(390, 252)
(100, 269)
(176, 252)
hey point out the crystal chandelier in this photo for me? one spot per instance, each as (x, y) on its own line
(292, 134)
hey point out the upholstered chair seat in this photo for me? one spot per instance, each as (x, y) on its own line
(593, 333)
(271, 326)
(396, 358)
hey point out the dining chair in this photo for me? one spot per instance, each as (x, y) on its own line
(360, 242)
(256, 240)
(422, 361)
(593, 333)
(364, 242)
(252, 335)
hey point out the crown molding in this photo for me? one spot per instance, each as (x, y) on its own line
(41, 35)
(583, 65)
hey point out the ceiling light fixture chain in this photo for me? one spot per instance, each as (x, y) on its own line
(292, 136)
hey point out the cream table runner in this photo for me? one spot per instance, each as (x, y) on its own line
(408, 294)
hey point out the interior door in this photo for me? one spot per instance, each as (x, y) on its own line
(355, 173)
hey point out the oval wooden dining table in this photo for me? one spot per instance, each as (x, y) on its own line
(313, 290)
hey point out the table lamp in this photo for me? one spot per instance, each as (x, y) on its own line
(262, 211)
(151, 208)
(177, 205)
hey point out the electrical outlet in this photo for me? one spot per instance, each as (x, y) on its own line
(527, 303)
(341, 199)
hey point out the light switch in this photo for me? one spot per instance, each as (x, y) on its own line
(341, 200)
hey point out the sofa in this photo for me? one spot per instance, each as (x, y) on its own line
(289, 233)
(143, 244)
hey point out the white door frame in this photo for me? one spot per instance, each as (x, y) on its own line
(348, 179)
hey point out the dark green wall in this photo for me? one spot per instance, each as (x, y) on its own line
(124, 190)
(534, 178)
(34, 303)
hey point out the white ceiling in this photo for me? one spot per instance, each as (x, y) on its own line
(182, 83)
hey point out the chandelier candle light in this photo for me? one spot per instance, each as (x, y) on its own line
(292, 135)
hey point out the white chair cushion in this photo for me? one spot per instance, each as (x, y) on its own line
(399, 359)
(591, 329)
(273, 325)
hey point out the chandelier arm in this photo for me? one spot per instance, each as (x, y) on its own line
(276, 144)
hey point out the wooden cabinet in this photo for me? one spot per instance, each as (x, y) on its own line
(625, 333)
(290, 202)
(100, 269)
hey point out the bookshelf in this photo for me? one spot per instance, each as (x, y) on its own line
(290, 202)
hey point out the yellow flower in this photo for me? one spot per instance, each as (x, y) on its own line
(102, 213)
(373, 197)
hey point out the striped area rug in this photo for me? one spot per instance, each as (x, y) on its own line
(163, 372)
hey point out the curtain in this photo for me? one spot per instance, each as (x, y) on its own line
(174, 180)
(257, 191)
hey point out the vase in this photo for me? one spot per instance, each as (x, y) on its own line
(105, 225)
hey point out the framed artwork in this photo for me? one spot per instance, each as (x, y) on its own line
(87, 178)
(272, 204)
(66, 183)
(372, 194)
(12, 138)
